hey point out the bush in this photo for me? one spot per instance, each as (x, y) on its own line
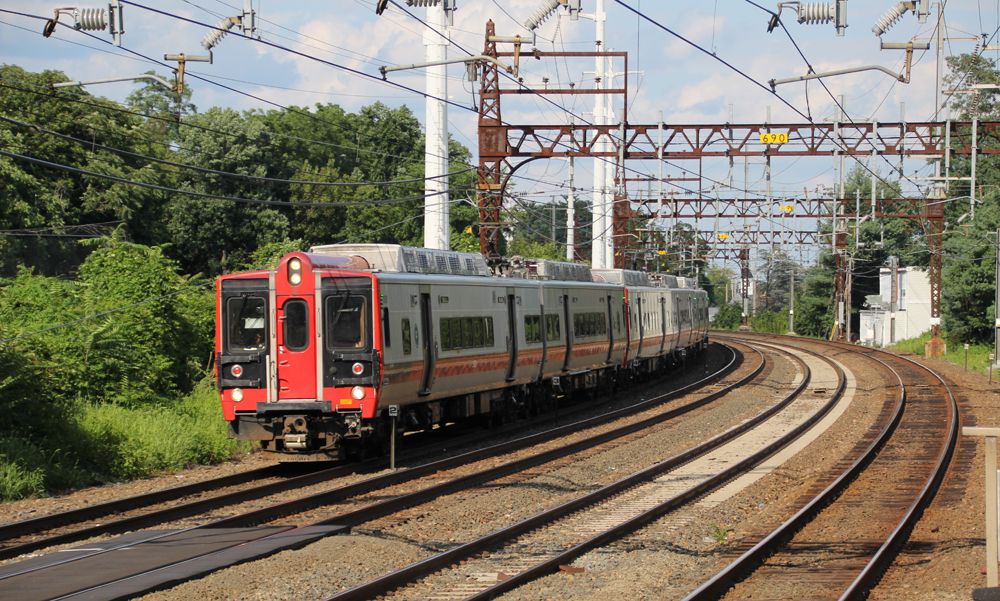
(729, 317)
(118, 442)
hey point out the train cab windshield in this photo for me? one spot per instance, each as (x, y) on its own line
(346, 321)
(247, 317)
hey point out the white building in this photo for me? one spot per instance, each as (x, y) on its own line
(882, 327)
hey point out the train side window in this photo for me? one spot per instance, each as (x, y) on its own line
(296, 325)
(477, 331)
(385, 327)
(407, 346)
(552, 327)
(467, 335)
(603, 322)
(533, 328)
(446, 343)
(489, 331)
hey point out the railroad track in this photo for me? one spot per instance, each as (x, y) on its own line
(537, 546)
(133, 513)
(889, 484)
(234, 527)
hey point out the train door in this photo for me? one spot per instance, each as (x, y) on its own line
(427, 344)
(663, 323)
(296, 349)
(511, 335)
(611, 329)
(640, 318)
(569, 332)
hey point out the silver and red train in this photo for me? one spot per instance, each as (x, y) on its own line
(311, 355)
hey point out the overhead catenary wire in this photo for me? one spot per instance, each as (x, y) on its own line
(544, 98)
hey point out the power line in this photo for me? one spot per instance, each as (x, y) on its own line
(213, 196)
(38, 129)
(77, 99)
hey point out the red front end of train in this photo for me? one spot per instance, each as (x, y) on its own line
(297, 354)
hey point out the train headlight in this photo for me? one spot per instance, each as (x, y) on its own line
(295, 271)
(237, 395)
(358, 369)
(358, 393)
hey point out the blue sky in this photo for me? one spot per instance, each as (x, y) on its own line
(688, 86)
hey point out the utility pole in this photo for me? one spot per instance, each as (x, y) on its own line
(571, 216)
(893, 293)
(553, 218)
(437, 210)
(996, 341)
(791, 304)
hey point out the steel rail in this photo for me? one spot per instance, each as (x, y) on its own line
(444, 560)
(378, 482)
(883, 558)
(48, 522)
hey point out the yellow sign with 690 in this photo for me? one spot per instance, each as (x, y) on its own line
(773, 138)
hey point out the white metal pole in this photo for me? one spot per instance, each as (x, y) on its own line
(571, 217)
(599, 233)
(437, 229)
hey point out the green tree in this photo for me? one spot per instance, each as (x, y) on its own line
(161, 106)
(40, 196)
(212, 235)
(968, 270)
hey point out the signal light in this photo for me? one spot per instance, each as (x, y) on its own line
(358, 369)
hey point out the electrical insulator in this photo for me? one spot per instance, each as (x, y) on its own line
(889, 19)
(90, 19)
(449, 7)
(814, 13)
(93, 19)
(542, 13)
(213, 37)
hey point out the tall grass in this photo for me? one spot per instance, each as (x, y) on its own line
(108, 442)
(977, 358)
(139, 442)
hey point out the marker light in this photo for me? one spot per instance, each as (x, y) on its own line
(237, 395)
(358, 393)
(357, 368)
(295, 271)
(237, 371)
